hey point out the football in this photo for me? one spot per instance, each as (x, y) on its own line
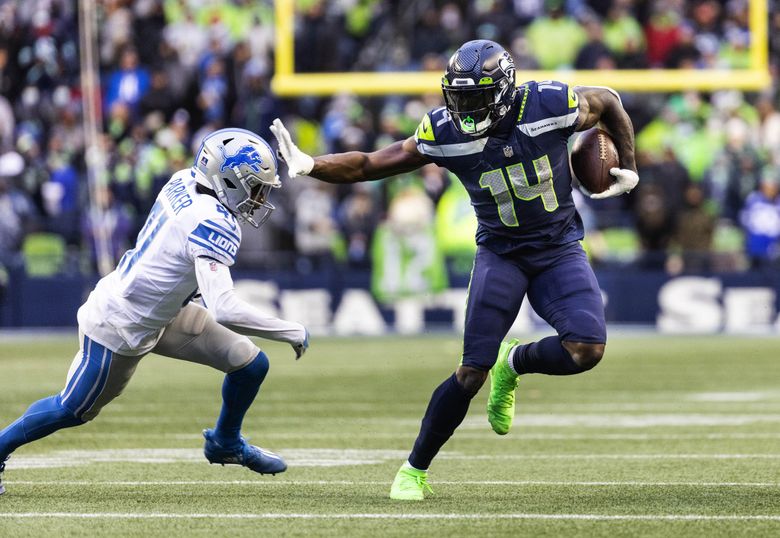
(592, 156)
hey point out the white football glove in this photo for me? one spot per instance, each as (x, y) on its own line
(625, 181)
(301, 348)
(298, 163)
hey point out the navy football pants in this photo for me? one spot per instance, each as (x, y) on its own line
(561, 288)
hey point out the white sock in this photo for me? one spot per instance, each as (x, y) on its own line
(510, 359)
(408, 465)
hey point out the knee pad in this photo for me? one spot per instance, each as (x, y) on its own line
(193, 319)
(241, 353)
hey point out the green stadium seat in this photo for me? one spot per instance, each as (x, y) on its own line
(44, 254)
(728, 239)
(622, 244)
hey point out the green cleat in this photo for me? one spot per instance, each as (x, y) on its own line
(503, 382)
(410, 485)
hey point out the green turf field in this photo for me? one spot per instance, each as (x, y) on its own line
(667, 437)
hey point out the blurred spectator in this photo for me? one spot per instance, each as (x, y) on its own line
(117, 26)
(735, 52)
(16, 209)
(769, 129)
(148, 28)
(358, 218)
(761, 220)
(594, 54)
(316, 231)
(406, 259)
(159, 97)
(115, 220)
(7, 124)
(61, 196)
(427, 38)
(684, 54)
(735, 171)
(558, 28)
(522, 54)
(456, 227)
(129, 83)
(663, 32)
(668, 173)
(256, 107)
(655, 222)
(624, 37)
(185, 36)
(213, 92)
(694, 231)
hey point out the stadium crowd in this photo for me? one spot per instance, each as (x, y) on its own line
(709, 196)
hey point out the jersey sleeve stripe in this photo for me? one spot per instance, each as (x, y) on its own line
(453, 150)
(548, 124)
(201, 243)
(210, 235)
(232, 235)
(215, 239)
(210, 250)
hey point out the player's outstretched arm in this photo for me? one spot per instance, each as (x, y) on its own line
(216, 287)
(352, 166)
(600, 104)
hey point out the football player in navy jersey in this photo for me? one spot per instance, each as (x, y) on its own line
(508, 146)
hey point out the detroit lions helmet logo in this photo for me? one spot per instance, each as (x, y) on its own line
(247, 155)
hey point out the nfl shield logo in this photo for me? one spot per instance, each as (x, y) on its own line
(508, 151)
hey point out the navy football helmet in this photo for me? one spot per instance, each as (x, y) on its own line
(478, 85)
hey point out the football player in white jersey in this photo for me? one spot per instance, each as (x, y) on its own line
(187, 245)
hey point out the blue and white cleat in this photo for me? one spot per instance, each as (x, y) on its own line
(252, 457)
(2, 468)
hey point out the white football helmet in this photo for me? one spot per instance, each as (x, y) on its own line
(240, 167)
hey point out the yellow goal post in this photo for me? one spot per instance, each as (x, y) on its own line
(287, 83)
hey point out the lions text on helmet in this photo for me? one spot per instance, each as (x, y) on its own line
(240, 168)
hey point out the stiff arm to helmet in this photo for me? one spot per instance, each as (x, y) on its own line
(298, 163)
(241, 168)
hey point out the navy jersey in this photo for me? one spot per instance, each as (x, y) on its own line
(517, 175)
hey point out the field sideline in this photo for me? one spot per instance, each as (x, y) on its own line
(668, 437)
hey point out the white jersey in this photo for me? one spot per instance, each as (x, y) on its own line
(128, 308)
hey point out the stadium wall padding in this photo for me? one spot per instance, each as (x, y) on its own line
(340, 302)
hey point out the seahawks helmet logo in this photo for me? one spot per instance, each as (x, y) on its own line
(247, 155)
(507, 65)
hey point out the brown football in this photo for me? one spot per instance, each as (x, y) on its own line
(592, 156)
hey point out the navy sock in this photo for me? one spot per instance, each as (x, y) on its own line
(42, 418)
(446, 410)
(238, 392)
(547, 356)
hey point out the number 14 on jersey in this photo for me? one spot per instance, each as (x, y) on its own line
(496, 181)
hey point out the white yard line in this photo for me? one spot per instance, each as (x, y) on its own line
(519, 436)
(274, 482)
(586, 517)
(445, 456)
(330, 457)
(617, 419)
